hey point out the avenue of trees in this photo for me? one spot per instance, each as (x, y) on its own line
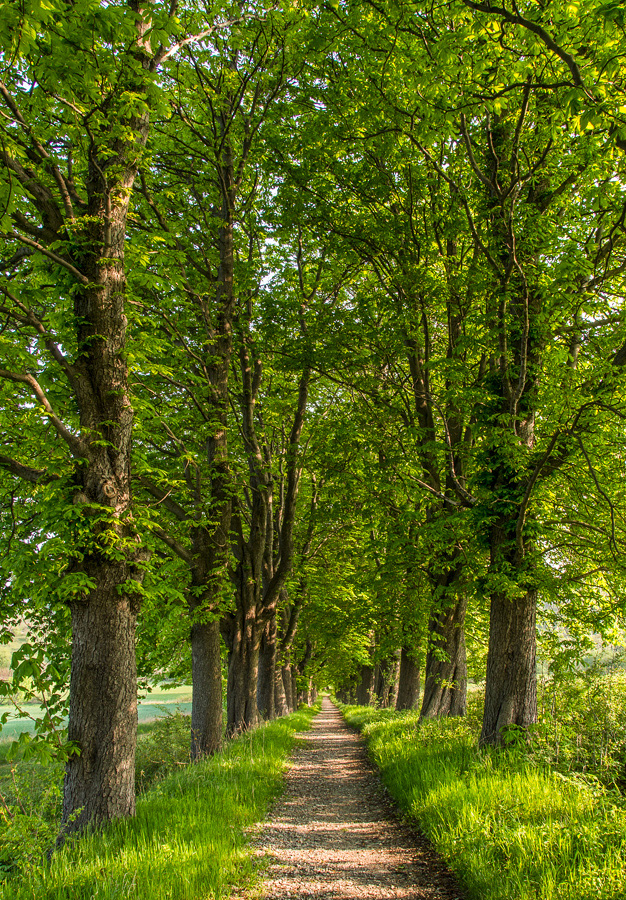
(312, 357)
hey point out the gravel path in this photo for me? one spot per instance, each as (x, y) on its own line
(334, 835)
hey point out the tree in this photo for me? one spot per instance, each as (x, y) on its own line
(79, 86)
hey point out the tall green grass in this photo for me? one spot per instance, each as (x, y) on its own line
(510, 829)
(187, 841)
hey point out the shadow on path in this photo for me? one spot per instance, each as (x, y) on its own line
(333, 835)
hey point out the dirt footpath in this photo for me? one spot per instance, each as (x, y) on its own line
(334, 835)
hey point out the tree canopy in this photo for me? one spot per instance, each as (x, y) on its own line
(312, 356)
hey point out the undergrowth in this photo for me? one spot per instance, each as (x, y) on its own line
(162, 748)
(541, 820)
(187, 840)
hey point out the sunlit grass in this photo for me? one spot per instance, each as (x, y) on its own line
(187, 840)
(510, 830)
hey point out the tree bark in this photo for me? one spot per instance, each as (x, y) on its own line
(409, 686)
(385, 673)
(243, 665)
(267, 671)
(511, 667)
(295, 697)
(288, 687)
(365, 687)
(211, 540)
(511, 682)
(445, 685)
(206, 676)
(281, 706)
(100, 782)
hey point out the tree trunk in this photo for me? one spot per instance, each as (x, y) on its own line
(281, 706)
(366, 686)
(243, 665)
(100, 783)
(294, 687)
(409, 685)
(267, 671)
(211, 540)
(511, 683)
(395, 679)
(383, 681)
(445, 684)
(206, 652)
(206, 676)
(288, 687)
(242, 710)
(511, 686)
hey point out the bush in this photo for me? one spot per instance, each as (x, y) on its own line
(162, 749)
(30, 809)
(582, 725)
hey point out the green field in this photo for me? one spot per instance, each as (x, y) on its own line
(159, 702)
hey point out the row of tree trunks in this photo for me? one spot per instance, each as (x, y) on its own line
(408, 680)
(386, 673)
(243, 642)
(365, 686)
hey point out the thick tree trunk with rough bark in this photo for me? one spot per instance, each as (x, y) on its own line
(511, 667)
(511, 682)
(409, 684)
(445, 684)
(100, 782)
(365, 688)
(206, 676)
(267, 671)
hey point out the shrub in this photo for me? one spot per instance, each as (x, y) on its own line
(30, 808)
(162, 749)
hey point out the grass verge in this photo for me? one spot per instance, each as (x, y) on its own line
(187, 840)
(509, 829)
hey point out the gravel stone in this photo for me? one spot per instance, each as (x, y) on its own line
(334, 835)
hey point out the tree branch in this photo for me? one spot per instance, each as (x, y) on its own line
(516, 19)
(26, 473)
(163, 497)
(173, 544)
(12, 235)
(77, 446)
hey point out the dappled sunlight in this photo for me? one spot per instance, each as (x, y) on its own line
(333, 836)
